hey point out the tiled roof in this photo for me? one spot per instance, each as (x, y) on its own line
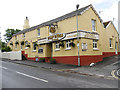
(71, 14)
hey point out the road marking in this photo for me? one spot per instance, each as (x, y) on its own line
(118, 72)
(31, 76)
(112, 73)
(3, 67)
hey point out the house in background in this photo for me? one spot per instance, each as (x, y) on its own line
(57, 38)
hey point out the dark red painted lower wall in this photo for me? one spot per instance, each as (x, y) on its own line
(118, 53)
(84, 60)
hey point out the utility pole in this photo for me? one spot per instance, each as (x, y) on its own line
(77, 6)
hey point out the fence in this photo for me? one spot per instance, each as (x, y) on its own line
(14, 55)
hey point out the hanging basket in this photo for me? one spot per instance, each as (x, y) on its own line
(72, 44)
(61, 44)
(11, 43)
(28, 45)
(16, 42)
(22, 43)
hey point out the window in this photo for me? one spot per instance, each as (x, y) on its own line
(15, 37)
(38, 32)
(34, 45)
(15, 45)
(93, 25)
(110, 42)
(57, 46)
(68, 45)
(40, 50)
(21, 46)
(23, 35)
(94, 44)
(26, 43)
(84, 46)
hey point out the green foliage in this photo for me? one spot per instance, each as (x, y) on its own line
(28, 45)
(16, 42)
(72, 44)
(61, 44)
(42, 59)
(52, 61)
(22, 43)
(6, 49)
(11, 43)
(9, 33)
(36, 44)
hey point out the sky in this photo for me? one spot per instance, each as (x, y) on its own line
(13, 12)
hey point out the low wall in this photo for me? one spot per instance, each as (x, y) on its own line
(12, 55)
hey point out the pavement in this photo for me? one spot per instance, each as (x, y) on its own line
(101, 69)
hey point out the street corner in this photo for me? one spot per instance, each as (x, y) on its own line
(116, 73)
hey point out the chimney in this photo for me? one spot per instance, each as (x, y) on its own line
(26, 23)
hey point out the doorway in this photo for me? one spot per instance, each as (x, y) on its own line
(116, 48)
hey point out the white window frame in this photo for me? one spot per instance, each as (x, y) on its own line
(95, 46)
(38, 30)
(110, 43)
(84, 46)
(40, 52)
(57, 46)
(93, 25)
(68, 46)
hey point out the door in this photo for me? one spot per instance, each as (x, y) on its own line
(116, 48)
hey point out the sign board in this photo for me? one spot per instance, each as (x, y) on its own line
(57, 36)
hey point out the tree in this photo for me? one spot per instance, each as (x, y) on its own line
(9, 33)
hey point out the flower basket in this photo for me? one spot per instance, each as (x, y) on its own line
(11, 43)
(42, 59)
(72, 44)
(16, 42)
(22, 43)
(61, 44)
(28, 45)
(52, 61)
(36, 44)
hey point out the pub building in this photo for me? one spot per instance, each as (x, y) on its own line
(60, 39)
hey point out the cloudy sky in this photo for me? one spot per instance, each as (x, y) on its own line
(13, 12)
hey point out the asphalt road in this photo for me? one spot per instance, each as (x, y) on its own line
(21, 76)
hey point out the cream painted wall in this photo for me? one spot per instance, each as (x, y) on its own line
(69, 25)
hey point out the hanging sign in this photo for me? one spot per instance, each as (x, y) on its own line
(52, 29)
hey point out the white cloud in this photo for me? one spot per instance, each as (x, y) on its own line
(110, 13)
(13, 12)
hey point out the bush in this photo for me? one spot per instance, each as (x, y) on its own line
(52, 61)
(42, 59)
(6, 49)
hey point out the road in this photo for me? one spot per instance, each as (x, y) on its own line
(21, 76)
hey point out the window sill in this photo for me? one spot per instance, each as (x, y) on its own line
(68, 49)
(95, 49)
(34, 51)
(94, 31)
(57, 49)
(111, 47)
(38, 36)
